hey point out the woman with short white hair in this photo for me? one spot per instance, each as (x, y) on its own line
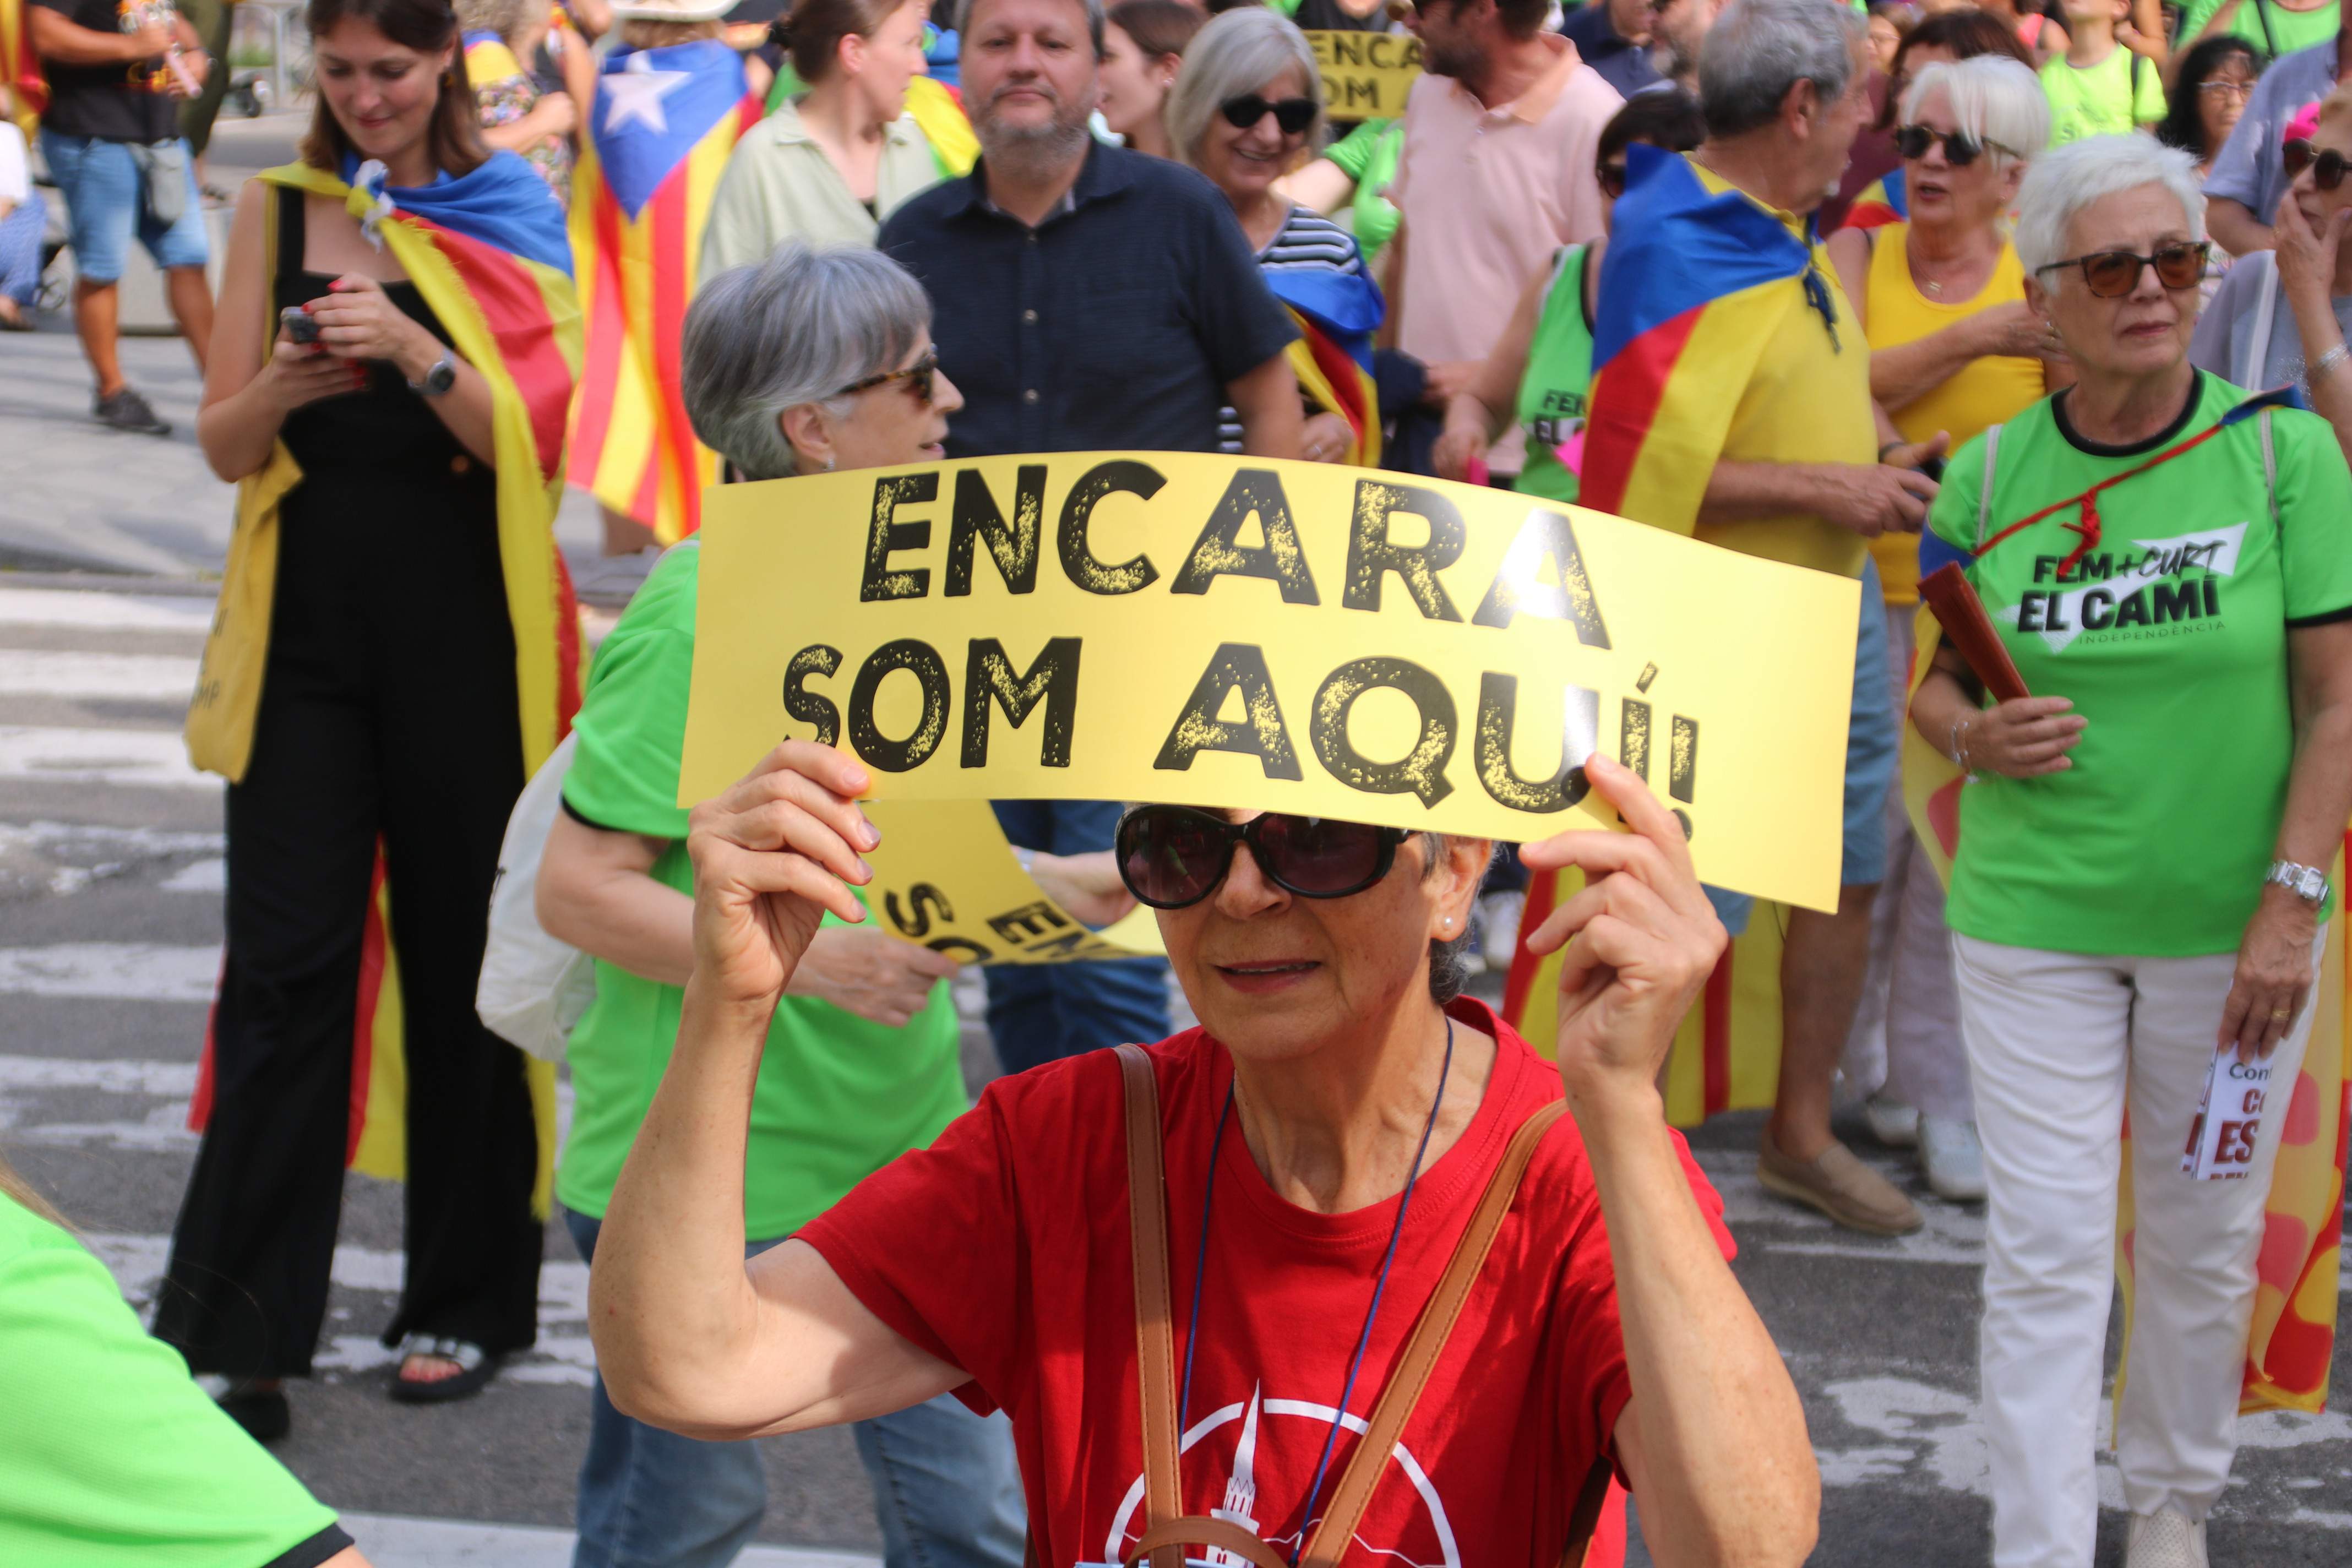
(1247, 110)
(2168, 564)
(1953, 348)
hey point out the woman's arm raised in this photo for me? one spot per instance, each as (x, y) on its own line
(689, 1336)
(1714, 1437)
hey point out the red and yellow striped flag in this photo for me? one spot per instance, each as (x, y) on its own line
(664, 122)
(20, 68)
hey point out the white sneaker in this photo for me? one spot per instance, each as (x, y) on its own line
(1952, 1159)
(1499, 924)
(1892, 1122)
(2165, 1541)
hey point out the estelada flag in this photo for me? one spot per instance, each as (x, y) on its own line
(1693, 287)
(487, 250)
(2292, 1339)
(1336, 314)
(20, 68)
(658, 138)
(1882, 202)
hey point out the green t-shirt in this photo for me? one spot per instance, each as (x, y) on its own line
(2289, 30)
(838, 1096)
(1558, 376)
(2170, 637)
(2110, 99)
(1369, 154)
(108, 1451)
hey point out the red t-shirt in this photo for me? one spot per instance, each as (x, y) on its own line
(1003, 1249)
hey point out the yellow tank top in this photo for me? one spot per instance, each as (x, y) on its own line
(1990, 391)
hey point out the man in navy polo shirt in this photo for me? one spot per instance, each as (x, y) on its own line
(1084, 298)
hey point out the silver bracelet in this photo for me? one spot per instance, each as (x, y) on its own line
(1956, 743)
(2329, 360)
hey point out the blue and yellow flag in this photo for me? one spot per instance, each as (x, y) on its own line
(1882, 202)
(1337, 314)
(1694, 282)
(659, 135)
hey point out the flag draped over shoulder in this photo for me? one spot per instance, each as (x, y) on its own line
(488, 58)
(1695, 283)
(659, 134)
(488, 253)
(1337, 314)
(20, 68)
(1882, 202)
(2292, 1339)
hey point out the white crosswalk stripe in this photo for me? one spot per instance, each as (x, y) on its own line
(104, 612)
(121, 970)
(52, 672)
(144, 758)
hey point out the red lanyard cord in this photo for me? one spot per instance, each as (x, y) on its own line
(2089, 501)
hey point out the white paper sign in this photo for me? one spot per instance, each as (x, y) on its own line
(2229, 1119)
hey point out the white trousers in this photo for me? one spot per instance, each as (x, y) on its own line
(2058, 1043)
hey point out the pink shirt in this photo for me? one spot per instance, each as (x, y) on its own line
(1499, 190)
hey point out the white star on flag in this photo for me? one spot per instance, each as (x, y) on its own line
(636, 90)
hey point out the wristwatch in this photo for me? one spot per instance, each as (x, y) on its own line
(2309, 883)
(439, 379)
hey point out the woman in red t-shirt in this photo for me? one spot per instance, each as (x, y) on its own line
(1326, 1133)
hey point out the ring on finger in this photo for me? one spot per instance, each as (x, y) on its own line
(2281, 1015)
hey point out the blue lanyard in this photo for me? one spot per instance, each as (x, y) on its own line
(1371, 1314)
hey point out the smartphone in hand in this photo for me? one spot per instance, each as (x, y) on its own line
(299, 325)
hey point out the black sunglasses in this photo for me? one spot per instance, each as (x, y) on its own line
(1173, 856)
(917, 377)
(1960, 149)
(1613, 178)
(1294, 115)
(2327, 168)
(2112, 274)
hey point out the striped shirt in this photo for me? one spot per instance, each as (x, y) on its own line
(1307, 242)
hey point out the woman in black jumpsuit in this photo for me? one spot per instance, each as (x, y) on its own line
(388, 714)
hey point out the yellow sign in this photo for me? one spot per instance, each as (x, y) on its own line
(946, 877)
(1366, 76)
(1236, 632)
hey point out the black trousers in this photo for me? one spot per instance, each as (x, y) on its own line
(388, 708)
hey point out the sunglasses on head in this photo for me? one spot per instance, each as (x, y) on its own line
(1960, 149)
(917, 377)
(2327, 168)
(2112, 274)
(1294, 115)
(1173, 856)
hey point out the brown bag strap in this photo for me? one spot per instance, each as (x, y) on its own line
(1155, 1334)
(1586, 1516)
(1365, 1466)
(1199, 1530)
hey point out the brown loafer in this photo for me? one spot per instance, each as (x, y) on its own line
(1840, 1186)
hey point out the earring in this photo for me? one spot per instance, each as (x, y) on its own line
(828, 462)
(1449, 923)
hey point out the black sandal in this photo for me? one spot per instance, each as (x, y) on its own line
(476, 1367)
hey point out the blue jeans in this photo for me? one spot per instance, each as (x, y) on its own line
(20, 247)
(1041, 1013)
(947, 1488)
(106, 205)
(1871, 750)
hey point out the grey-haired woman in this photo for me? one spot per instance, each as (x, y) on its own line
(812, 360)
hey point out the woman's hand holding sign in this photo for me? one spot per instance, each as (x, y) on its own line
(1641, 938)
(771, 857)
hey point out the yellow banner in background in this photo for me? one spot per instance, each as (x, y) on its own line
(1235, 632)
(1366, 76)
(946, 877)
